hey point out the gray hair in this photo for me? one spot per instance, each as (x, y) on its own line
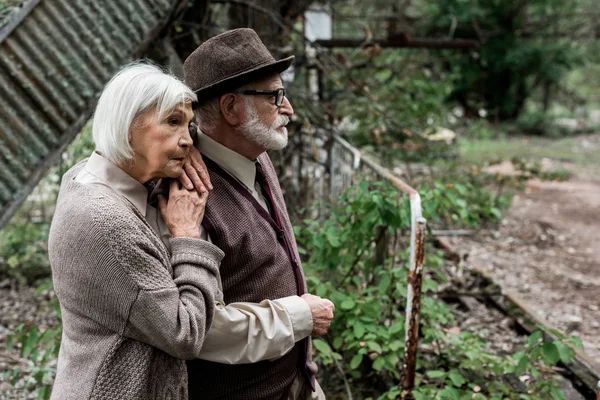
(207, 112)
(133, 91)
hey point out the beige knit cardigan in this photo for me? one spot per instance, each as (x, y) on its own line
(131, 312)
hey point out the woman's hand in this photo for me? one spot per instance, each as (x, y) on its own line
(184, 211)
(195, 174)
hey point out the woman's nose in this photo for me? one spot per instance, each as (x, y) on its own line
(185, 140)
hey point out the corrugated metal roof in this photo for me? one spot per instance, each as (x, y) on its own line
(55, 57)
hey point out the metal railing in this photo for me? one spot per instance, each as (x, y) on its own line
(346, 163)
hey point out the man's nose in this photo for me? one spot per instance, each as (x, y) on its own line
(286, 107)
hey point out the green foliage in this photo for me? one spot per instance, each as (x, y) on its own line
(386, 101)
(482, 129)
(520, 50)
(40, 345)
(24, 250)
(7, 7)
(24, 240)
(343, 263)
(468, 202)
(533, 169)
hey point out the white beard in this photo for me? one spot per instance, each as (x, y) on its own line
(261, 134)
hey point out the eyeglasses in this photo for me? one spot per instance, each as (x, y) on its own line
(278, 93)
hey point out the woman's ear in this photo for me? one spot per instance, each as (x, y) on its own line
(232, 108)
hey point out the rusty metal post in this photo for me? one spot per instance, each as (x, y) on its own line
(415, 275)
(413, 308)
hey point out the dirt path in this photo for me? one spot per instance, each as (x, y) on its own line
(547, 250)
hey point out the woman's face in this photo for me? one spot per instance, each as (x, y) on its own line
(161, 145)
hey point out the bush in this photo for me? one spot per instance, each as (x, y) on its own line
(24, 240)
(343, 262)
(24, 250)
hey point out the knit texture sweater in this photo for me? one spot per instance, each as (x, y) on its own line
(261, 262)
(131, 311)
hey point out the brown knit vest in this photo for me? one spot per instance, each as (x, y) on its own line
(261, 262)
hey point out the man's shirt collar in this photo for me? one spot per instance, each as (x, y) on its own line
(233, 163)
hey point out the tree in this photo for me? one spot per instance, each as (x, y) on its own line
(524, 46)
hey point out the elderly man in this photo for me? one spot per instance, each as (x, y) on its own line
(242, 112)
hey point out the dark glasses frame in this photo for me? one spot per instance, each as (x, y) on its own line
(278, 93)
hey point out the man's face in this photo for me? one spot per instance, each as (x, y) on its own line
(265, 122)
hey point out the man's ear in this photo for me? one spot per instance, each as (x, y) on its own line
(232, 108)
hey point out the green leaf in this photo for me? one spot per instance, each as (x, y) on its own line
(374, 346)
(496, 212)
(378, 364)
(347, 304)
(522, 365)
(533, 339)
(44, 393)
(31, 343)
(557, 394)
(359, 330)
(436, 374)
(356, 360)
(393, 359)
(384, 283)
(556, 333)
(321, 346)
(450, 393)
(395, 345)
(566, 353)
(338, 342)
(456, 378)
(575, 341)
(429, 285)
(550, 353)
(396, 327)
(10, 340)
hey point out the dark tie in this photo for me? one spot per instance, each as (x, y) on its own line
(264, 185)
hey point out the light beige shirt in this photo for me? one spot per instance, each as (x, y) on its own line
(241, 332)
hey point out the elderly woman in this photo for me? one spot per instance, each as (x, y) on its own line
(131, 310)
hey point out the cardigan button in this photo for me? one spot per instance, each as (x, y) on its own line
(280, 234)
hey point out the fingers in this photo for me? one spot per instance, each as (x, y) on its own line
(184, 178)
(173, 186)
(197, 163)
(200, 167)
(192, 174)
(162, 204)
(322, 313)
(203, 197)
(320, 327)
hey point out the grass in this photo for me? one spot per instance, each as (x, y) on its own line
(572, 149)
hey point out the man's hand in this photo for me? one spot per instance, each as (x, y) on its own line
(195, 174)
(322, 313)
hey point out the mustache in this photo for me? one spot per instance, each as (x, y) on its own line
(282, 120)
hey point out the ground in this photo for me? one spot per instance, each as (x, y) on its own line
(546, 249)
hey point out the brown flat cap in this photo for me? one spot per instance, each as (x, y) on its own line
(227, 61)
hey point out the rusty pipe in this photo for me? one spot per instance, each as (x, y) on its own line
(415, 275)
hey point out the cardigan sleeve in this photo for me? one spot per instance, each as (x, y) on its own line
(175, 319)
(128, 283)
